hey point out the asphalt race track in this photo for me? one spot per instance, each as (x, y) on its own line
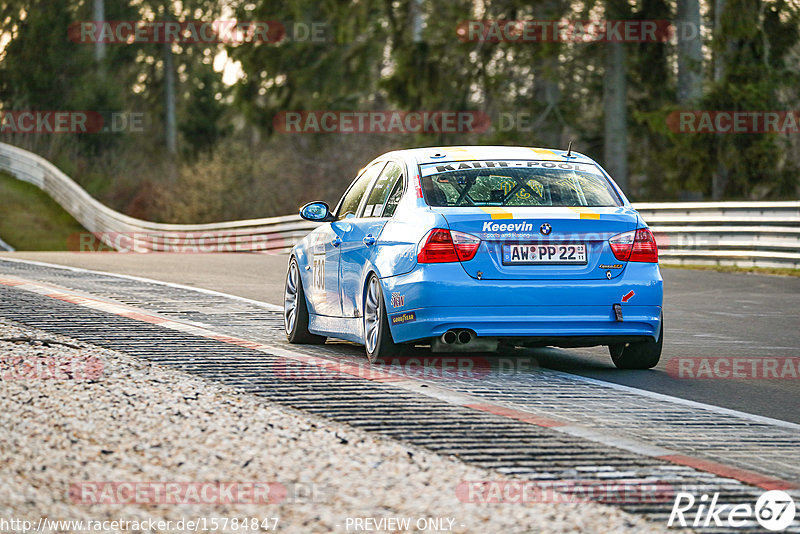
(565, 416)
(708, 315)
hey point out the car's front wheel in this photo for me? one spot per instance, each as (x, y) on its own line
(295, 309)
(642, 355)
(377, 336)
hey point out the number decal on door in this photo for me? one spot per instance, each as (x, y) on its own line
(318, 281)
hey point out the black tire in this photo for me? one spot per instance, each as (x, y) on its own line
(643, 355)
(378, 341)
(296, 327)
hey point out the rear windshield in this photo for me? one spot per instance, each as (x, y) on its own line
(516, 183)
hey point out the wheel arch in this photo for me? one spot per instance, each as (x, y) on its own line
(368, 272)
(362, 298)
(293, 255)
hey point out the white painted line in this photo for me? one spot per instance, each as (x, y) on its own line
(87, 300)
(266, 305)
(686, 402)
(591, 434)
(651, 394)
(616, 441)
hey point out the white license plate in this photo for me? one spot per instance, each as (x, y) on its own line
(553, 254)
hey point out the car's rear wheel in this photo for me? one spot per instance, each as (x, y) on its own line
(295, 309)
(643, 355)
(377, 336)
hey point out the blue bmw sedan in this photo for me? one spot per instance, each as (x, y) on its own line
(474, 248)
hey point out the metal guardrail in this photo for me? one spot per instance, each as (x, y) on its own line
(5, 246)
(746, 234)
(119, 231)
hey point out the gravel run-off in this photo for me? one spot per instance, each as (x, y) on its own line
(108, 417)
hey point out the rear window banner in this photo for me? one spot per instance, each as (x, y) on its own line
(518, 183)
(437, 168)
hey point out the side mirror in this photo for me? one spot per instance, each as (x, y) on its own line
(317, 212)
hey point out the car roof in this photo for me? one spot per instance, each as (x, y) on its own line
(466, 153)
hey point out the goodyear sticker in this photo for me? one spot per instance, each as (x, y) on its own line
(403, 318)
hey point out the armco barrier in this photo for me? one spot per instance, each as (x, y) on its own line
(746, 234)
(273, 234)
(761, 234)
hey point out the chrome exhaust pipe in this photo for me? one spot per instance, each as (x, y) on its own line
(463, 340)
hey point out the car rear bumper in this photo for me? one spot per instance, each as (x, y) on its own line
(435, 298)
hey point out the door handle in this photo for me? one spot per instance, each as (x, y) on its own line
(336, 241)
(369, 240)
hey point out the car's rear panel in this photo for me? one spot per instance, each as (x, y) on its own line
(440, 297)
(503, 228)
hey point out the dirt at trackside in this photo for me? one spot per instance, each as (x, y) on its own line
(105, 419)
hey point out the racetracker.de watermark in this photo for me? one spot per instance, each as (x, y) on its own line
(734, 368)
(70, 122)
(145, 493)
(638, 491)
(380, 122)
(432, 367)
(567, 31)
(188, 32)
(734, 122)
(39, 367)
(176, 242)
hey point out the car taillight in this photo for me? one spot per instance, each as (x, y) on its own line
(636, 245)
(466, 245)
(645, 247)
(622, 244)
(442, 246)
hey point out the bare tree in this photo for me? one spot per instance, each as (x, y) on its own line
(615, 152)
(719, 180)
(549, 125)
(99, 15)
(719, 53)
(690, 51)
(170, 123)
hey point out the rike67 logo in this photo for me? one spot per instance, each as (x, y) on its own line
(774, 510)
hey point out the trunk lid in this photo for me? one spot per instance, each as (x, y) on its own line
(501, 227)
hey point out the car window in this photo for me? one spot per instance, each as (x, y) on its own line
(517, 184)
(385, 188)
(348, 207)
(394, 197)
